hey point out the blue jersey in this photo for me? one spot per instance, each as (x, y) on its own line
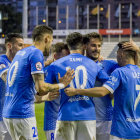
(77, 107)
(51, 107)
(20, 89)
(4, 65)
(103, 105)
(125, 81)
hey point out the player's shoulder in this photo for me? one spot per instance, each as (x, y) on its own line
(4, 59)
(109, 62)
(32, 49)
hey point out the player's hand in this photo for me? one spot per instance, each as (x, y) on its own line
(51, 96)
(48, 97)
(70, 91)
(66, 79)
(130, 46)
(101, 58)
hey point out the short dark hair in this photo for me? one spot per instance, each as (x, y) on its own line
(11, 37)
(75, 41)
(39, 31)
(87, 37)
(58, 47)
(128, 53)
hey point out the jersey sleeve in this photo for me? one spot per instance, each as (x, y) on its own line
(3, 66)
(49, 74)
(37, 62)
(102, 75)
(113, 82)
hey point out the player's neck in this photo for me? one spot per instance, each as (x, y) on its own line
(9, 55)
(75, 51)
(38, 45)
(128, 61)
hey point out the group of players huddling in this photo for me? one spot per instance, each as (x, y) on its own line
(77, 89)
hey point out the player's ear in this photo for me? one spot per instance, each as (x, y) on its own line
(85, 47)
(9, 45)
(47, 39)
(55, 56)
(122, 55)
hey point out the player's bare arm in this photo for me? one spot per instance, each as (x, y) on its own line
(48, 62)
(48, 97)
(92, 92)
(132, 46)
(4, 76)
(42, 87)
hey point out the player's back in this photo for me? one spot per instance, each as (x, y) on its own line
(20, 88)
(126, 114)
(78, 107)
(4, 65)
(103, 105)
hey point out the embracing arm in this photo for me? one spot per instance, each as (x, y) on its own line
(92, 92)
(42, 87)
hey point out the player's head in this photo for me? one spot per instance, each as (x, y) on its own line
(13, 43)
(75, 41)
(42, 37)
(92, 45)
(124, 55)
(59, 50)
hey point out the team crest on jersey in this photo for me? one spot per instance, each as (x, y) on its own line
(38, 66)
(2, 66)
(22, 138)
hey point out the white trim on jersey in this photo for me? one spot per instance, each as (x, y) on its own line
(34, 72)
(3, 72)
(109, 88)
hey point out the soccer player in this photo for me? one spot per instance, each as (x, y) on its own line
(24, 75)
(13, 43)
(103, 105)
(76, 117)
(124, 82)
(58, 51)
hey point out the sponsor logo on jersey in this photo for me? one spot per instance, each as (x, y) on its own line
(38, 66)
(112, 80)
(2, 66)
(132, 120)
(72, 99)
(9, 94)
(46, 73)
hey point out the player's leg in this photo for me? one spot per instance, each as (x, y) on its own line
(86, 130)
(4, 134)
(117, 138)
(50, 134)
(65, 130)
(10, 127)
(21, 129)
(103, 130)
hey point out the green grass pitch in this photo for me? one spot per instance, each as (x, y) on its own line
(39, 113)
